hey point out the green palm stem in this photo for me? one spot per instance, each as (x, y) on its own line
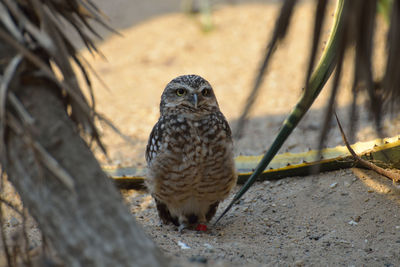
(385, 8)
(314, 86)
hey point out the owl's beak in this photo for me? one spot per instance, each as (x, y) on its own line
(194, 100)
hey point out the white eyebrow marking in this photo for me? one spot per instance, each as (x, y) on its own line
(204, 86)
(180, 85)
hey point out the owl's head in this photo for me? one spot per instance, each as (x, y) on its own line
(188, 94)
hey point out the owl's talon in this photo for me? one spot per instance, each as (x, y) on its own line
(181, 227)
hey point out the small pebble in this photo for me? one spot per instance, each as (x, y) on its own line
(208, 246)
(352, 222)
(266, 183)
(333, 185)
(183, 245)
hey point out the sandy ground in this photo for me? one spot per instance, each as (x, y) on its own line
(342, 218)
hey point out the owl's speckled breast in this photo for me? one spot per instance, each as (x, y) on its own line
(199, 140)
(197, 155)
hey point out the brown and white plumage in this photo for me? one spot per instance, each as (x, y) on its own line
(190, 166)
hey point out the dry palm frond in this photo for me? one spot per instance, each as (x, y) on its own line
(34, 44)
(314, 84)
(391, 80)
(279, 33)
(358, 22)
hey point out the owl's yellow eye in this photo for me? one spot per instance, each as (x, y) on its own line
(180, 92)
(206, 92)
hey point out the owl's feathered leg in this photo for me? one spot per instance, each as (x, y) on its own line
(186, 221)
(164, 213)
(211, 211)
(183, 223)
(204, 219)
(181, 227)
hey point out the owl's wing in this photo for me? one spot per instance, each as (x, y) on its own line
(225, 126)
(155, 139)
(211, 211)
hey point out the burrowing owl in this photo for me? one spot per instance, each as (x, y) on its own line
(190, 166)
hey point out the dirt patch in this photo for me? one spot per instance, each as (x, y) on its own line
(333, 219)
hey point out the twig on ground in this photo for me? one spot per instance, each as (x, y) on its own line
(395, 177)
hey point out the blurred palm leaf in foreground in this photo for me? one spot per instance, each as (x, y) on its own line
(46, 128)
(354, 26)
